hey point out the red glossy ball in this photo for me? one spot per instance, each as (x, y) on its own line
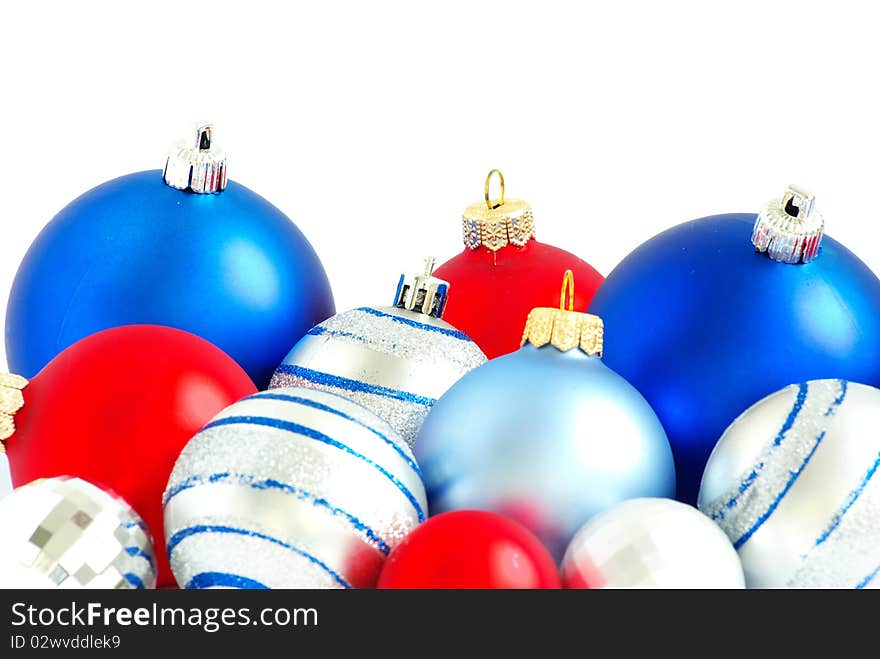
(470, 549)
(116, 409)
(492, 293)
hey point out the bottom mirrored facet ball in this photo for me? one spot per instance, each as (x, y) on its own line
(651, 543)
(67, 533)
(793, 482)
(291, 488)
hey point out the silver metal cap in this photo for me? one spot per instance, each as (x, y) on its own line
(200, 168)
(422, 293)
(789, 230)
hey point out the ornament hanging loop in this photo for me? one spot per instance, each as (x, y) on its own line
(204, 136)
(567, 293)
(489, 204)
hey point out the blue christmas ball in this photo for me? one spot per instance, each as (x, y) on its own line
(547, 436)
(705, 326)
(229, 267)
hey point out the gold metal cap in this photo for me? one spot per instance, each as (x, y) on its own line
(497, 223)
(11, 401)
(563, 328)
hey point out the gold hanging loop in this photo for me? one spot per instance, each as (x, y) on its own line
(489, 203)
(567, 287)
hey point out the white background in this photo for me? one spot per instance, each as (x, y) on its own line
(373, 124)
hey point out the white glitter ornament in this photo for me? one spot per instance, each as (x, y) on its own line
(396, 361)
(651, 543)
(291, 488)
(792, 483)
(67, 533)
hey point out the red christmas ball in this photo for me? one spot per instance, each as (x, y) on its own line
(470, 549)
(116, 409)
(520, 279)
(503, 262)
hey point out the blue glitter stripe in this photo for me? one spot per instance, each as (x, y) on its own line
(271, 484)
(753, 476)
(130, 524)
(348, 384)
(224, 580)
(138, 552)
(793, 476)
(134, 580)
(454, 333)
(183, 534)
(850, 500)
(837, 401)
(864, 582)
(326, 408)
(311, 433)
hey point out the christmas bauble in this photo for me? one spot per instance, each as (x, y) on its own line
(547, 435)
(793, 484)
(228, 266)
(651, 543)
(502, 256)
(67, 533)
(704, 324)
(470, 549)
(116, 408)
(293, 488)
(395, 361)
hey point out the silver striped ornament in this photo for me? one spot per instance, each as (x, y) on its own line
(290, 488)
(793, 482)
(394, 361)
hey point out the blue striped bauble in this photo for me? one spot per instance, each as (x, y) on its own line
(291, 488)
(395, 362)
(793, 482)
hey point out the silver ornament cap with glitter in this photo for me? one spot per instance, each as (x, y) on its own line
(68, 533)
(395, 361)
(198, 167)
(789, 229)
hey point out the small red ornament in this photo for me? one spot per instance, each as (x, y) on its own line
(501, 256)
(116, 409)
(470, 549)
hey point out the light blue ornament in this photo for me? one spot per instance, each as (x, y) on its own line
(152, 249)
(548, 435)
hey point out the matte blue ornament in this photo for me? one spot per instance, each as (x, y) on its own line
(705, 326)
(229, 267)
(548, 435)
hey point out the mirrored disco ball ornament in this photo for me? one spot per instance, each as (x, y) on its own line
(794, 484)
(651, 543)
(67, 533)
(395, 361)
(547, 435)
(292, 488)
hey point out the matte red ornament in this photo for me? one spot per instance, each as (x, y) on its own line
(470, 549)
(116, 409)
(503, 262)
